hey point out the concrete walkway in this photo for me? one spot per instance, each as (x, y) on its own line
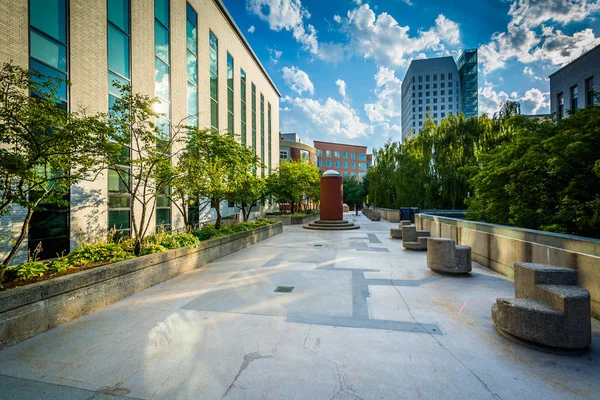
(364, 320)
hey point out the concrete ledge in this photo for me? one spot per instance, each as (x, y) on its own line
(498, 247)
(293, 220)
(30, 310)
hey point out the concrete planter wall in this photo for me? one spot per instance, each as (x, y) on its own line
(33, 309)
(498, 247)
(388, 214)
(289, 220)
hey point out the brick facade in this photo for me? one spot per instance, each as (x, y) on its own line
(345, 166)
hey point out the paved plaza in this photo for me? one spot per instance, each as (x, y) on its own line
(356, 317)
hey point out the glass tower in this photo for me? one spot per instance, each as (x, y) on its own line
(467, 69)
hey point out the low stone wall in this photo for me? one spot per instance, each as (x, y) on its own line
(498, 247)
(33, 309)
(388, 214)
(292, 220)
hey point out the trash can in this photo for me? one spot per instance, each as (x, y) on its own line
(405, 214)
(413, 211)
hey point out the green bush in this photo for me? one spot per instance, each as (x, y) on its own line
(30, 270)
(99, 252)
(209, 231)
(59, 265)
(152, 248)
(170, 241)
(187, 240)
(127, 244)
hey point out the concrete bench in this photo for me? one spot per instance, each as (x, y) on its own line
(413, 239)
(397, 233)
(444, 256)
(549, 310)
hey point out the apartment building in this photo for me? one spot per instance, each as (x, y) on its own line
(291, 148)
(191, 55)
(347, 159)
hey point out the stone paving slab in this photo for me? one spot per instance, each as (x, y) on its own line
(357, 325)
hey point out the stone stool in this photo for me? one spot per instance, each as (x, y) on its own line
(445, 257)
(413, 239)
(549, 310)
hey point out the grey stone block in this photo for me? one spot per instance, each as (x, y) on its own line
(396, 233)
(445, 257)
(549, 309)
(419, 245)
(409, 233)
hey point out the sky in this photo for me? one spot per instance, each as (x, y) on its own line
(339, 64)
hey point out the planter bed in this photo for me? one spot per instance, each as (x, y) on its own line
(292, 219)
(30, 310)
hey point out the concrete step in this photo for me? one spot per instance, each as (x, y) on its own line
(424, 234)
(420, 244)
(325, 222)
(331, 228)
(563, 298)
(528, 275)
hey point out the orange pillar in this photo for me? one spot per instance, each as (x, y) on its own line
(332, 196)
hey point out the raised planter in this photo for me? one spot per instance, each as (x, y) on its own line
(293, 220)
(30, 310)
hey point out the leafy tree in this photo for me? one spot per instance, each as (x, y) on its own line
(294, 182)
(213, 165)
(250, 190)
(140, 154)
(44, 149)
(354, 192)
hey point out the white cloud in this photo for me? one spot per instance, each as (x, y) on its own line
(252, 29)
(274, 55)
(342, 89)
(532, 13)
(331, 117)
(532, 102)
(389, 94)
(290, 15)
(381, 38)
(529, 72)
(337, 18)
(298, 80)
(527, 39)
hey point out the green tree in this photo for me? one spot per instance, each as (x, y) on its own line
(213, 165)
(294, 182)
(140, 152)
(250, 190)
(44, 149)
(354, 192)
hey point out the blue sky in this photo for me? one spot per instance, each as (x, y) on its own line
(339, 63)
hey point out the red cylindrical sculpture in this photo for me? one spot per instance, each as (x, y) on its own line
(332, 196)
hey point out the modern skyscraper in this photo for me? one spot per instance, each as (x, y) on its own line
(439, 87)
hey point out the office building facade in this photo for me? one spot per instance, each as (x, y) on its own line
(574, 86)
(347, 159)
(438, 87)
(291, 148)
(189, 54)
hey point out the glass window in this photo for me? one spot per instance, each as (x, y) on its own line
(336, 154)
(328, 163)
(49, 16)
(352, 165)
(449, 76)
(48, 51)
(319, 153)
(118, 13)
(589, 91)
(192, 15)
(362, 156)
(191, 35)
(337, 164)
(327, 153)
(192, 99)
(163, 217)
(192, 68)
(561, 104)
(574, 98)
(161, 11)
(345, 164)
(161, 42)
(162, 79)
(346, 172)
(118, 219)
(48, 72)
(214, 114)
(353, 156)
(118, 51)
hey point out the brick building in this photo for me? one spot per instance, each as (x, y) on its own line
(189, 54)
(347, 159)
(291, 148)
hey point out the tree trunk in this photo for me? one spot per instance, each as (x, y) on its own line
(15, 248)
(217, 207)
(292, 207)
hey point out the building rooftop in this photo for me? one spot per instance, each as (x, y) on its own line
(574, 60)
(340, 144)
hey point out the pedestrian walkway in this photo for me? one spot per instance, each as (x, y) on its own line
(303, 315)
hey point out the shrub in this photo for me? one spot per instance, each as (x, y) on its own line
(59, 265)
(187, 240)
(127, 244)
(30, 270)
(98, 252)
(151, 248)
